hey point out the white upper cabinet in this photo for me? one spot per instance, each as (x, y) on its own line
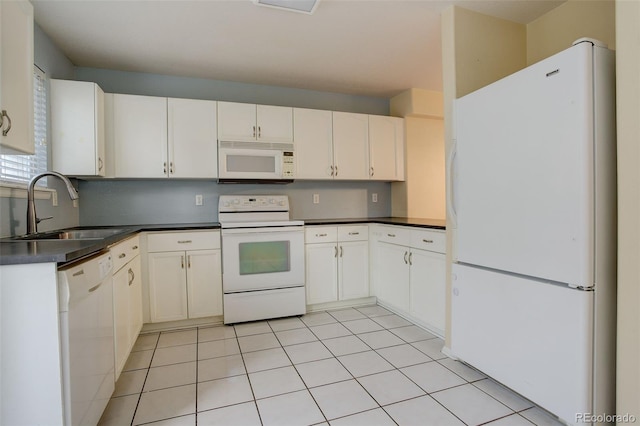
(386, 148)
(351, 146)
(313, 136)
(16, 77)
(140, 136)
(156, 137)
(192, 144)
(250, 122)
(77, 128)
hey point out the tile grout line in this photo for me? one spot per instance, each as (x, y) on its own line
(298, 373)
(145, 380)
(253, 394)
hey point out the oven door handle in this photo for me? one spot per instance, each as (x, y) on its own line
(263, 230)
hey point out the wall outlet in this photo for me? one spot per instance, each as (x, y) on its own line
(198, 199)
(54, 199)
(316, 198)
(374, 197)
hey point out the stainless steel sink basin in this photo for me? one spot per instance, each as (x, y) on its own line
(72, 234)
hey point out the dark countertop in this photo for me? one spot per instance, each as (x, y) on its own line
(404, 221)
(64, 251)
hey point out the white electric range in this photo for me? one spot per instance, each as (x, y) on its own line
(262, 258)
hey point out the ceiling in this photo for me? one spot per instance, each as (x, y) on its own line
(362, 47)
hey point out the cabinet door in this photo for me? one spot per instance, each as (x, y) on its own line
(428, 288)
(353, 269)
(167, 286)
(140, 136)
(321, 272)
(392, 283)
(275, 123)
(192, 138)
(351, 145)
(236, 122)
(204, 283)
(77, 128)
(121, 318)
(16, 76)
(134, 281)
(386, 147)
(313, 139)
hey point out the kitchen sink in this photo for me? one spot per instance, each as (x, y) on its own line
(72, 234)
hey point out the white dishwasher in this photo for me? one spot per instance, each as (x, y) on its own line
(85, 295)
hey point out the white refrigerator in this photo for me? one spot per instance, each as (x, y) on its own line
(534, 190)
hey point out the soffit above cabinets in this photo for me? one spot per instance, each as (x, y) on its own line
(369, 48)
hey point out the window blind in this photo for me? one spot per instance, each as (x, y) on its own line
(21, 168)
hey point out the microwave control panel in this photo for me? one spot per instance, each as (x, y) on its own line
(287, 164)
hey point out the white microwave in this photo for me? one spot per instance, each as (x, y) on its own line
(243, 162)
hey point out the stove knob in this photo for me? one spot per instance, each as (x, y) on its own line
(236, 201)
(226, 204)
(281, 203)
(271, 201)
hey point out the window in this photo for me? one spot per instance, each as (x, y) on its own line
(21, 168)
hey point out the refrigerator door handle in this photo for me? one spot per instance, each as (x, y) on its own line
(451, 208)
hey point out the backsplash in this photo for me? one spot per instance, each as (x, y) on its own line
(129, 202)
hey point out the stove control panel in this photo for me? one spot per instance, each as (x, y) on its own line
(249, 203)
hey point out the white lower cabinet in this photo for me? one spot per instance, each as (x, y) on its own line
(427, 286)
(392, 279)
(337, 263)
(185, 275)
(408, 270)
(127, 299)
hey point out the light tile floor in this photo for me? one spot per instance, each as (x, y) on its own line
(364, 366)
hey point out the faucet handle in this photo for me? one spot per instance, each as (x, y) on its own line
(40, 219)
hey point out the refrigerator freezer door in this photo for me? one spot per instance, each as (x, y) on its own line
(525, 182)
(533, 337)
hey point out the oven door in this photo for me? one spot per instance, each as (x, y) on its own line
(262, 258)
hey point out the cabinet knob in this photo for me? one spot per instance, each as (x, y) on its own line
(336, 253)
(391, 235)
(371, 172)
(321, 235)
(259, 132)
(254, 131)
(336, 171)
(171, 167)
(354, 233)
(100, 164)
(185, 241)
(134, 248)
(132, 276)
(405, 258)
(164, 170)
(428, 241)
(122, 256)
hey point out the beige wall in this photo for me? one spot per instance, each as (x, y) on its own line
(628, 114)
(486, 49)
(422, 193)
(559, 28)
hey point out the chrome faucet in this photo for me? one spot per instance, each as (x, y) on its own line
(32, 220)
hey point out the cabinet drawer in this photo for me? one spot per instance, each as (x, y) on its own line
(353, 233)
(320, 234)
(125, 251)
(178, 241)
(429, 240)
(394, 235)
